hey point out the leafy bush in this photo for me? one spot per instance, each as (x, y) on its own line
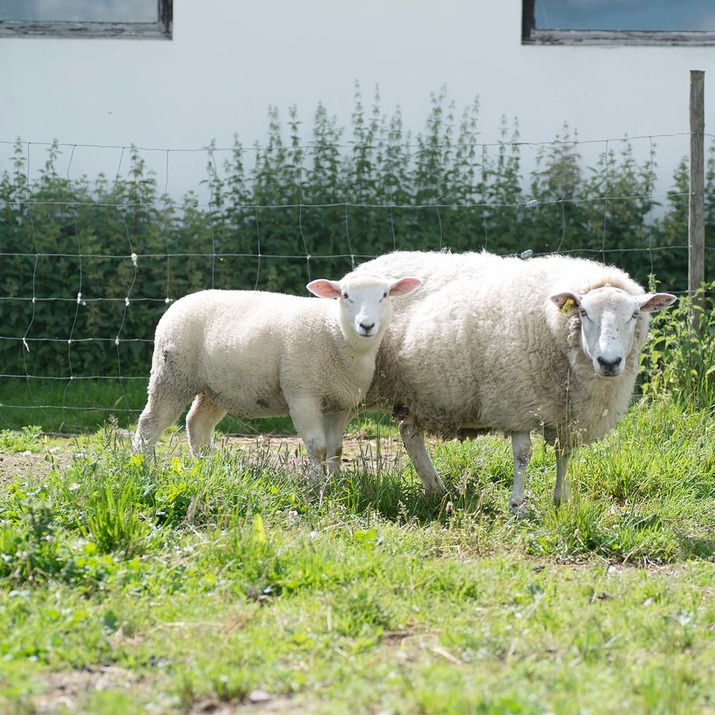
(89, 265)
(680, 357)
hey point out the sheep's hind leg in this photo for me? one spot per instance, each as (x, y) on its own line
(414, 441)
(161, 412)
(203, 416)
(521, 449)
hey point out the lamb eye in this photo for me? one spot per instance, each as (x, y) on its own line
(583, 313)
(636, 314)
(384, 295)
(345, 296)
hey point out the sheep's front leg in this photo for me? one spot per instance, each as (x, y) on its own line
(414, 441)
(334, 428)
(521, 449)
(308, 422)
(203, 416)
(561, 490)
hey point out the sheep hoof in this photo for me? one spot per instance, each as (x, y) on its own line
(518, 511)
(560, 500)
(433, 485)
(438, 493)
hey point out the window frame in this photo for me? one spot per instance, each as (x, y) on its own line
(161, 29)
(532, 36)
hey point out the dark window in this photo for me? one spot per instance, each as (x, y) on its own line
(674, 22)
(86, 18)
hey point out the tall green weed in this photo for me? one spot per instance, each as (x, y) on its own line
(680, 357)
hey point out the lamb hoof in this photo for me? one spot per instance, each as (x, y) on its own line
(434, 486)
(316, 486)
(518, 511)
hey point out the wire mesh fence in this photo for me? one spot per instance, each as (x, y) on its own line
(97, 241)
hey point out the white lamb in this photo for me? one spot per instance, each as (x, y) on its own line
(261, 354)
(510, 345)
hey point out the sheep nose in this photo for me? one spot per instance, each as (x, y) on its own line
(367, 327)
(609, 367)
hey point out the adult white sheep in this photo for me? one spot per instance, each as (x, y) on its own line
(503, 344)
(261, 354)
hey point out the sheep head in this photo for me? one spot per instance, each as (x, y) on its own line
(609, 318)
(365, 309)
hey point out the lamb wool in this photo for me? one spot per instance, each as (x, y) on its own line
(262, 354)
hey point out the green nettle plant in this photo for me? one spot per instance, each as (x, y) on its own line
(89, 265)
(680, 357)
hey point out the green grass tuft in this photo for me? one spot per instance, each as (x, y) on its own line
(175, 583)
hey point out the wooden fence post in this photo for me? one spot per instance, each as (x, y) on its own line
(696, 204)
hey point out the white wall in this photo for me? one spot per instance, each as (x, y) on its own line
(230, 59)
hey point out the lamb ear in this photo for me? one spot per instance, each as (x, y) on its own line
(324, 288)
(566, 302)
(652, 302)
(405, 286)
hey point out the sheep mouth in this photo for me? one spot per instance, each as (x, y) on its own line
(609, 368)
(609, 372)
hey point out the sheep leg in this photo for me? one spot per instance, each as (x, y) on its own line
(414, 441)
(308, 422)
(561, 490)
(334, 428)
(161, 411)
(203, 416)
(521, 449)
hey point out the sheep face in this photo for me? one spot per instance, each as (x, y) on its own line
(364, 303)
(609, 317)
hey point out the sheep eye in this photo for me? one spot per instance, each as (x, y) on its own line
(346, 296)
(583, 313)
(636, 314)
(384, 295)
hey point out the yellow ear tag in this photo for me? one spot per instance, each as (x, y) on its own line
(566, 307)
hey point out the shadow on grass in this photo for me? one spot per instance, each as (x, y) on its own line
(697, 547)
(398, 495)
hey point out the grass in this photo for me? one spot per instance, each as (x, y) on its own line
(190, 585)
(83, 406)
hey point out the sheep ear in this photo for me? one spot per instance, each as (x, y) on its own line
(405, 286)
(652, 302)
(324, 288)
(567, 302)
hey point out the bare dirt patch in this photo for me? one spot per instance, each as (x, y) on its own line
(58, 453)
(357, 451)
(37, 462)
(68, 692)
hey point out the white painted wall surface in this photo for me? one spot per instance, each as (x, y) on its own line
(230, 59)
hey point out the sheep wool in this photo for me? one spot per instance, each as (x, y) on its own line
(261, 354)
(503, 344)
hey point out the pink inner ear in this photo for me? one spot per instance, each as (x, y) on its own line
(658, 301)
(405, 286)
(323, 288)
